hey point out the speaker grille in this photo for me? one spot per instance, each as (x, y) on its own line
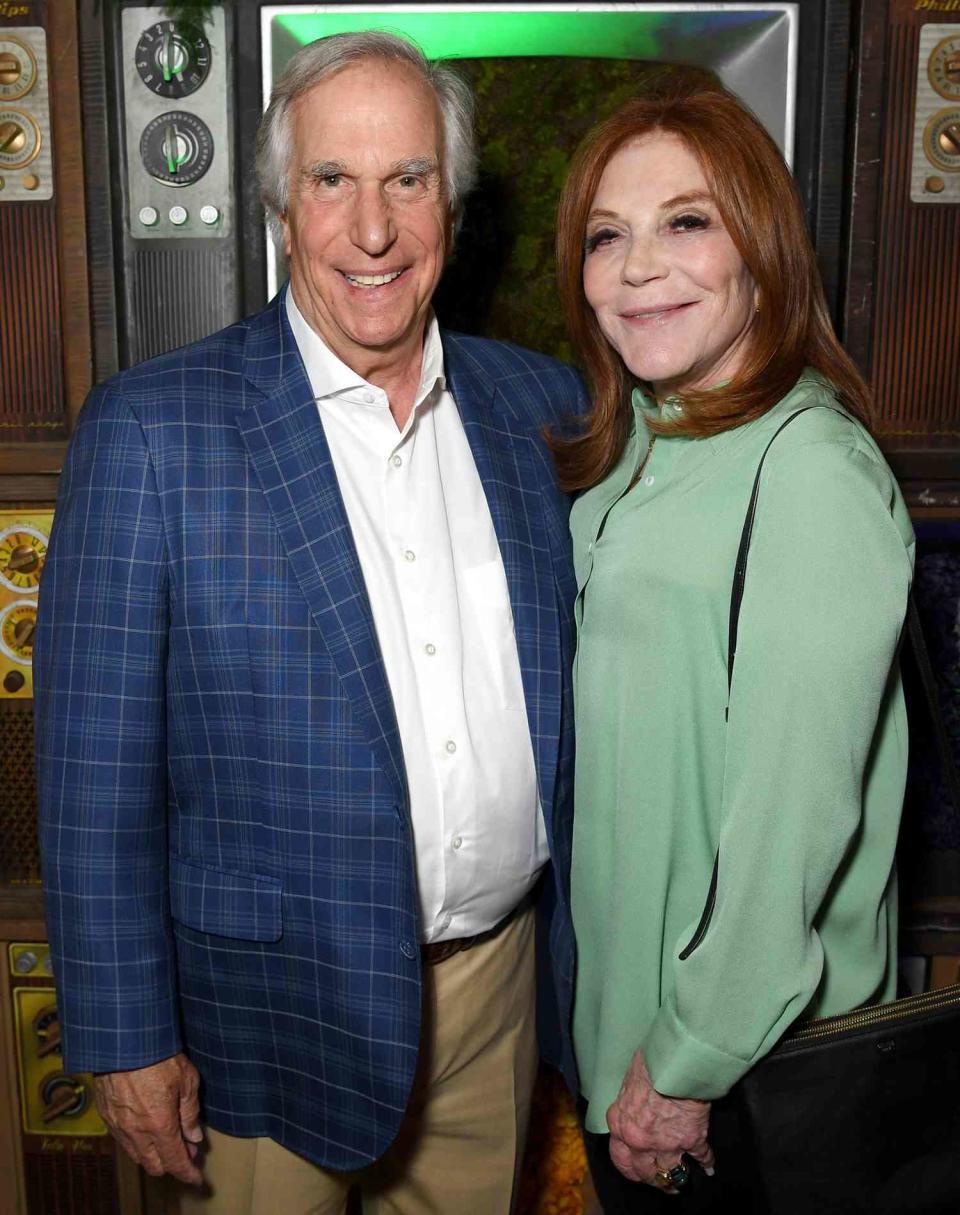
(179, 295)
(31, 355)
(19, 851)
(70, 1184)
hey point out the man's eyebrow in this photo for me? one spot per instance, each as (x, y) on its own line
(325, 168)
(421, 166)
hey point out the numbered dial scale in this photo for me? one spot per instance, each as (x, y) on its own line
(20, 138)
(176, 148)
(23, 550)
(173, 59)
(18, 69)
(943, 67)
(941, 141)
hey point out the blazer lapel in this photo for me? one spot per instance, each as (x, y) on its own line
(286, 443)
(503, 450)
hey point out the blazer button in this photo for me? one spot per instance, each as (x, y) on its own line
(408, 949)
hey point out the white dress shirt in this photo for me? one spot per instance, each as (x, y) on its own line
(433, 571)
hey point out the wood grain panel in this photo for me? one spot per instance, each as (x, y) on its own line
(915, 369)
(71, 213)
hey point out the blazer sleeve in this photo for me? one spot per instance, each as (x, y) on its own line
(824, 602)
(99, 669)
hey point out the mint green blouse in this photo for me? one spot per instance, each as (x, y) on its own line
(800, 789)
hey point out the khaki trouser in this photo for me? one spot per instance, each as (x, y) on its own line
(461, 1143)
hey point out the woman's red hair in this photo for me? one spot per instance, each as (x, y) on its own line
(762, 212)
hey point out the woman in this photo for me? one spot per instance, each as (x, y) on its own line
(692, 292)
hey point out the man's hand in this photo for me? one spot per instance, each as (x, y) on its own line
(154, 1115)
(649, 1131)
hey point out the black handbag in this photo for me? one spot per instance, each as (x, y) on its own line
(858, 1113)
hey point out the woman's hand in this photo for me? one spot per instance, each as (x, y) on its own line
(650, 1132)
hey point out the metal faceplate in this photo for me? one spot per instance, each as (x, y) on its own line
(935, 170)
(177, 126)
(26, 159)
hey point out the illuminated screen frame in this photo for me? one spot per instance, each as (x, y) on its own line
(642, 31)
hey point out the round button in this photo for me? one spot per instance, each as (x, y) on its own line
(177, 215)
(451, 746)
(30, 181)
(148, 216)
(456, 843)
(396, 461)
(649, 480)
(409, 555)
(25, 963)
(209, 214)
(430, 648)
(934, 185)
(408, 949)
(13, 681)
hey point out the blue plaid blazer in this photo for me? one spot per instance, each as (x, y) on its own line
(224, 819)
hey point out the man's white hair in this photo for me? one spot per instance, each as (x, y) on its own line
(326, 56)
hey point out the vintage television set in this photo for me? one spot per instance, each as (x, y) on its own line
(130, 224)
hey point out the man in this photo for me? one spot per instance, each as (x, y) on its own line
(304, 710)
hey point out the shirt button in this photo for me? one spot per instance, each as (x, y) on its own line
(409, 555)
(396, 461)
(649, 480)
(456, 842)
(430, 648)
(408, 949)
(451, 746)
(367, 397)
(447, 921)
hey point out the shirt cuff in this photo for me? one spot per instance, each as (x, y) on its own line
(680, 1065)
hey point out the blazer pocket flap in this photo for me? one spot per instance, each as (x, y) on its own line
(245, 906)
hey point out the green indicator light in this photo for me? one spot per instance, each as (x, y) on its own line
(461, 35)
(171, 147)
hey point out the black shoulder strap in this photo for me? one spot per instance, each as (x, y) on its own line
(740, 569)
(914, 633)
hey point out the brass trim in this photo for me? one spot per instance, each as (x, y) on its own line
(4, 97)
(14, 166)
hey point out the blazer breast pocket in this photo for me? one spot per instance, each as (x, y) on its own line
(244, 906)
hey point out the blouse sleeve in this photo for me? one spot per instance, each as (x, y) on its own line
(824, 602)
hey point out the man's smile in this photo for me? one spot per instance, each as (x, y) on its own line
(372, 280)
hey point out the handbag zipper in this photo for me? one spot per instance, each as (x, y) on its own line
(877, 1014)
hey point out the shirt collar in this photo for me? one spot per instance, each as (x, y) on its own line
(329, 376)
(646, 406)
